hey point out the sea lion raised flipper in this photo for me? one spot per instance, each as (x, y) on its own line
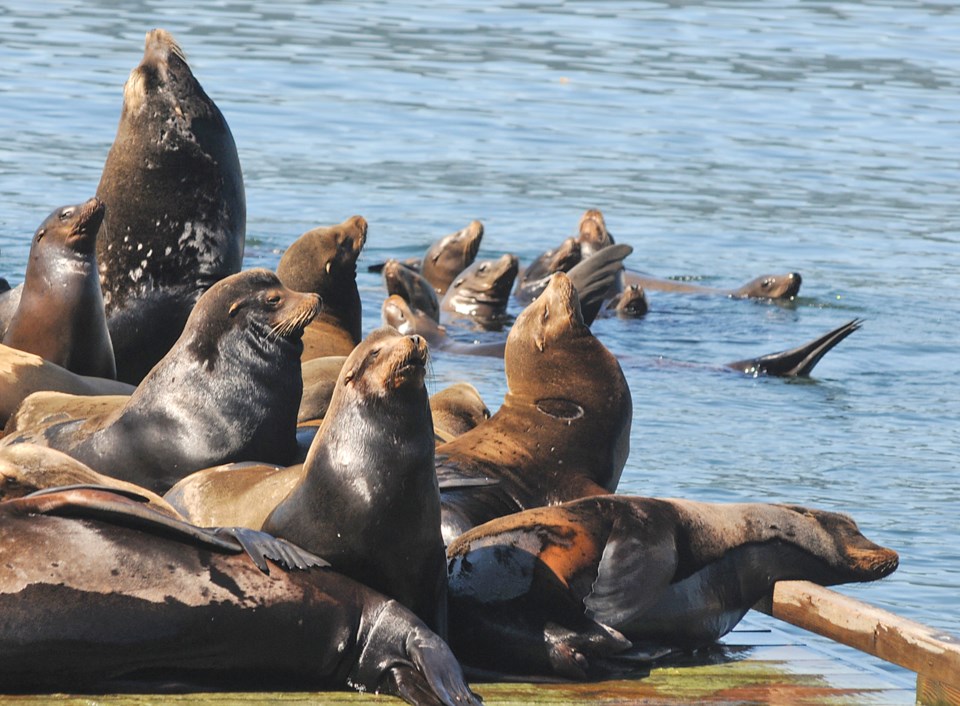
(796, 362)
(594, 276)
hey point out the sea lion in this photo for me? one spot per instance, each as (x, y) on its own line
(175, 218)
(451, 255)
(369, 472)
(564, 590)
(227, 391)
(9, 301)
(780, 287)
(481, 292)
(319, 379)
(631, 303)
(60, 316)
(22, 374)
(457, 409)
(592, 233)
(110, 595)
(799, 361)
(324, 261)
(563, 430)
(396, 312)
(43, 408)
(534, 278)
(412, 287)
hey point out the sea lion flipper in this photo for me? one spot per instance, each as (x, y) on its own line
(449, 478)
(799, 361)
(594, 276)
(436, 676)
(631, 557)
(261, 546)
(125, 492)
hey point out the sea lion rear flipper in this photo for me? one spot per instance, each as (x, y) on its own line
(594, 276)
(637, 564)
(796, 362)
(260, 546)
(449, 479)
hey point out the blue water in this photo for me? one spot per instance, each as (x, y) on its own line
(722, 140)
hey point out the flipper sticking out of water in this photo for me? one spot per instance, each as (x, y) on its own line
(796, 362)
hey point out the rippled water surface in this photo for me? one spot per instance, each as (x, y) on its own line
(721, 140)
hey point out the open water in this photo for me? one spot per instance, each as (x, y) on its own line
(722, 140)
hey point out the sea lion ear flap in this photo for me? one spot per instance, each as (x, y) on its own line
(236, 307)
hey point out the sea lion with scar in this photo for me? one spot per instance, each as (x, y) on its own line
(175, 218)
(581, 589)
(563, 430)
(60, 315)
(227, 391)
(324, 261)
(112, 596)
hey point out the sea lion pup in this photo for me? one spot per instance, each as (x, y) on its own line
(799, 361)
(175, 218)
(22, 374)
(110, 595)
(563, 430)
(60, 315)
(481, 292)
(324, 261)
(368, 499)
(412, 287)
(532, 280)
(227, 391)
(564, 590)
(457, 409)
(451, 255)
(780, 287)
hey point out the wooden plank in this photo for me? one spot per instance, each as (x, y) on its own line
(931, 692)
(912, 645)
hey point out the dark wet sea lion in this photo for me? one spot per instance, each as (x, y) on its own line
(60, 316)
(481, 292)
(563, 430)
(534, 278)
(227, 391)
(799, 361)
(457, 409)
(763, 287)
(175, 207)
(451, 255)
(324, 261)
(109, 595)
(631, 303)
(565, 590)
(368, 499)
(412, 287)
(22, 374)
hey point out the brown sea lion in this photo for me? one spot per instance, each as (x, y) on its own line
(631, 303)
(457, 409)
(324, 261)
(564, 590)
(60, 316)
(563, 430)
(41, 409)
(534, 278)
(412, 287)
(22, 374)
(481, 292)
(109, 595)
(592, 233)
(396, 312)
(763, 287)
(227, 391)
(451, 255)
(175, 218)
(319, 378)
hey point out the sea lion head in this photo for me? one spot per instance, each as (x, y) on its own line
(483, 289)
(564, 257)
(593, 234)
(553, 316)
(396, 312)
(451, 255)
(412, 286)
(73, 228)
(253, 304)
(631, 302)
(385, 363)
(160, 75)
(771, 287)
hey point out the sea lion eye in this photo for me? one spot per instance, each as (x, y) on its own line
(273, 299)
(66, 213)
(766, 283)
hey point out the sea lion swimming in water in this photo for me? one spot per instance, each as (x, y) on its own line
(563, 430)
(451, 255)
(580, 589)
(324, 261)
(412, 287)
(175, 219)
(110, 595)
(60, 315)
(481, 292)
(532, 280)
(227, 391)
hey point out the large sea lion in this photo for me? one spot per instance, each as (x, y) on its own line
(481, 292)
(565, 590)
(60, 316)
(109, 595)
(324, 261)
(227, 391)
(412, 287)
(175, 207)
(563, 430)
(451, 255)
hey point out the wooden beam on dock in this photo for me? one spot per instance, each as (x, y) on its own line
(933, 655)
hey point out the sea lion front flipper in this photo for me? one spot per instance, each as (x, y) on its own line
(636, 565)
(260, 546)
(435, 676)
(594, 276)
(796, 362)
(450, 479)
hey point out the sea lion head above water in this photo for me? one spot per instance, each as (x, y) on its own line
(412, 286)
(592, 233)
(482, 291)
(770, 287)
(451, 255)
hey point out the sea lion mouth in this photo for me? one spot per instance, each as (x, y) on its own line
(299, 311)
(873, 563)
(412, 364)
